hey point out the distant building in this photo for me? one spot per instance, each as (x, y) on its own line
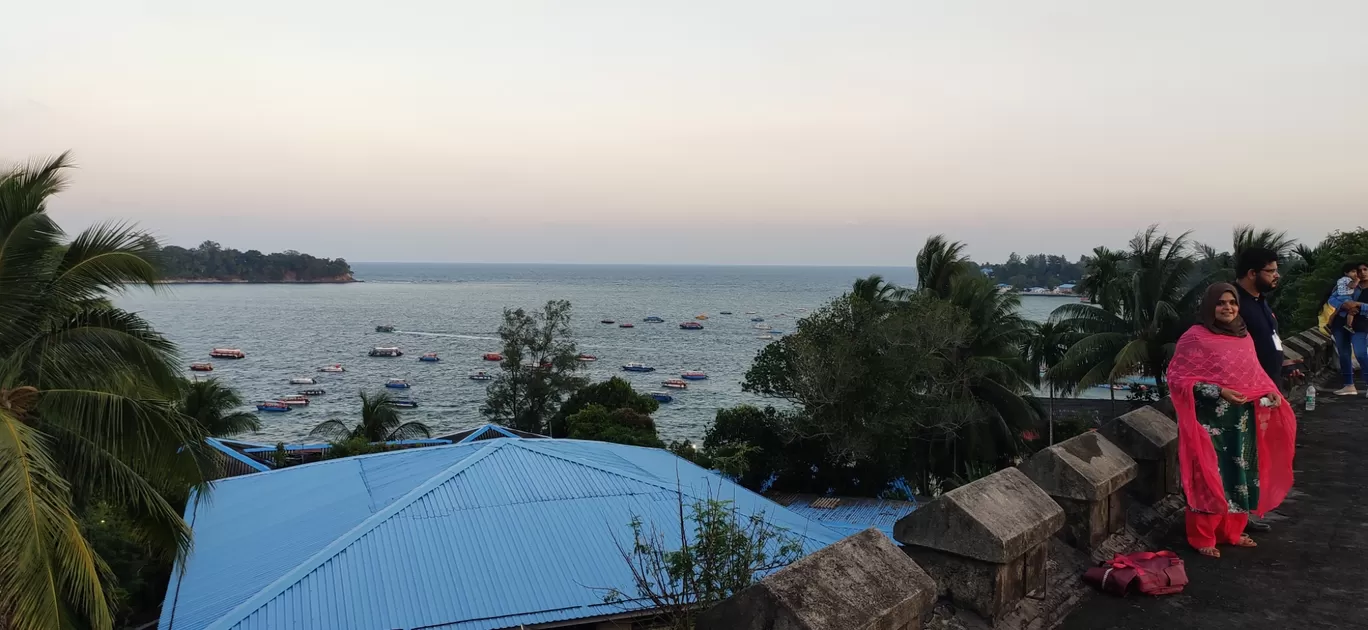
(495, 532)
(1066, 289)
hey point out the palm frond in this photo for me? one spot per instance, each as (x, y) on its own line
(409, 431)
(331, 430)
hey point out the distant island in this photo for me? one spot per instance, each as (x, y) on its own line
(1046, 271)
(211, 263)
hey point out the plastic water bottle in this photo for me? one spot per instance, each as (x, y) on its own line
(1310, 398)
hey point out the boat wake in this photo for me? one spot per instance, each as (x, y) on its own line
(451, 335)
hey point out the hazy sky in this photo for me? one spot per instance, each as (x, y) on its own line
(839, 132)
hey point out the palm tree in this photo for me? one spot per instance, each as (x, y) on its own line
(380, 422)
(875, 290)
(938, 262)
(1102, 276)
(1045, 349)
(217, 408)
(1246, 237)
(87, 409)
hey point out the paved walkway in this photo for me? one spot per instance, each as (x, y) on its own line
(1311, 571)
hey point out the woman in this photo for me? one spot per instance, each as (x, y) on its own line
(1236, 435)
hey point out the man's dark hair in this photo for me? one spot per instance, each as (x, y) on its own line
(1349, 266)
(1254, 259)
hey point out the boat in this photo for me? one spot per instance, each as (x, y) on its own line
(493, 356)
(430, 357)
(384, 328)
(382, 351)
(482, 376)
(587, 358)
(694, 375)
(691, 326)
(757, 319)
(661, 397)
(654, 319)
(802, 310)
(750, 312)
(332, 368)
(397, 383)
(303, 380)
(674, 383)
(763, 327)
(201, 367)
(272, 405)
(403, 403)
(227, 353)
(764, 336)
(607, 321)
(637, 367)
(312, 392)
(701, 316)
(626, 325)
(724, 312)
(295, 400)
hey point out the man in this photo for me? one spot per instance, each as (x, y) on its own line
(1256, 275)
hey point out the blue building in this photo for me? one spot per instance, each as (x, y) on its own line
(492, 532)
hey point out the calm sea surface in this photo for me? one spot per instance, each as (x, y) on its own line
(455, 309)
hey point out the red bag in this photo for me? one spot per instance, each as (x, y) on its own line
(1150, 573)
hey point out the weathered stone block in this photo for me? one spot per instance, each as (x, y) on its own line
(1085, 475)
(984, 542)
(1151, 439)
(863, 582)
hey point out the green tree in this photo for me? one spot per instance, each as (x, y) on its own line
(87, 408)
(939, 262)
(1313, 273)
(612, 394)
(217, 408)
(380, 422)
(538, 370)
(1103, 277)
(1046, 348)
(620, 426)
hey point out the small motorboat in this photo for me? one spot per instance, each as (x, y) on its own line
(637, 367)
(776, 333)
(482, 376)
(694, 375)
(764, 336)
(691, 326)
(201, 367)
(272, 405)
(382, 351)
(332, 368)
(750, 312)
(587, 358)
(701, 316)
(303, 380)
(626, 325)
(607, 321)
(674, 383)
(654, 320)
(384, 328)
(397, 383)
(802, 310)
(724, 312)
(227, 353)
(757, 319)
(661, 397)
(493, 356)
(312, 392)
(430, 357)
(294, 401)
(763, 327)
(403, 403)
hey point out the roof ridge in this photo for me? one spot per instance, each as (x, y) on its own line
(650, 480)
(293, 576)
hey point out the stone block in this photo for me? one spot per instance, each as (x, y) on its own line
(1085, 475)
(984, 542)
(862, 582)
(1150, 438)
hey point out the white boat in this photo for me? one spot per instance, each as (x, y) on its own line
(295, 400)
(763, 327)
(332, 368)
(303, 380)
(764, 336)
(482, 376)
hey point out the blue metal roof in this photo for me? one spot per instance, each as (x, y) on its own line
(218, 445)
(848, 515)
(488, 534)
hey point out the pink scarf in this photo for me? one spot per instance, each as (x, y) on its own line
(1230, 362)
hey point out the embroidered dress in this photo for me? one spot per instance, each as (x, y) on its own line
(1231, 428)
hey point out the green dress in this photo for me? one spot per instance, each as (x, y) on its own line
(1232, 435)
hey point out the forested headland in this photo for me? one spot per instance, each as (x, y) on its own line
(211, 262)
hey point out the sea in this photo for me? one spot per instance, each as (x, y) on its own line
(291, 330)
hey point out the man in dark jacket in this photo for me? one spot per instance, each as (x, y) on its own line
(1256, 275)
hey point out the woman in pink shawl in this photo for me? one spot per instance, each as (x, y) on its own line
(1236, 435)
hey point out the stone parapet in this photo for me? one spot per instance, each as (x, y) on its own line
(1085, 476)
(1151, 439)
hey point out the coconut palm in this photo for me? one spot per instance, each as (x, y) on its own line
(1102, 276)
(1246, 237)
(939, 262)
(217, 408)
(87, 408)
(380, 422)
(1046, 347)
(875, 290)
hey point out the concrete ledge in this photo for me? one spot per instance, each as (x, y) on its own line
(1085, 467)
(1151, 439)
(863, 582)
(995, 519)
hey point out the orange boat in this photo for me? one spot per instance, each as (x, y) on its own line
(202, 367)
(493, 356)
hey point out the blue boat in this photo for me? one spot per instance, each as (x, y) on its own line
(272, 406)
(637, 367)
(430, 357)
(757, 319)
(661, 397)
(404, 403)
(694, 375)
(397, 383)
(654, 320)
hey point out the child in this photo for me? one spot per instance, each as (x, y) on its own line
(1345, 288)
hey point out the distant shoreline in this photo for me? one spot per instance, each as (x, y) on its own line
(238, 281)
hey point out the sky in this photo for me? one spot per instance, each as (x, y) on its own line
(629, 131)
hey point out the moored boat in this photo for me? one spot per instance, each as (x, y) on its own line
(227, 353)
(332, 368)
(637, 367)
(383, 351)
(626, 325)
(694, 375)
(312, 392)
(750, 312)
(587, 358)
(765, 336)
(763, 327)
(654, 319)
(757, 319)
(430, 357)
(607, 321)
(384, 328)
(403, 403)
(397, 383)
(701, 316)
(201, 367)
(482, 376)
(691, 326)
(661, 397)
(724, 312)
(294, 401)
(493, 356)
(272, 405)
(674, 383)
(303, 380)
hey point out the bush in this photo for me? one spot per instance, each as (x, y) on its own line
(620, 426)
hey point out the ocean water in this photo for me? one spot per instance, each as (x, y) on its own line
(455, 310)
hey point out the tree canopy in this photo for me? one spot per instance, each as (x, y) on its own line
(211, 261)
(539, 368)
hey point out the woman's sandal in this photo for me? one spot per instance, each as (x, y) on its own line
(1210, 552)
(1246, 541)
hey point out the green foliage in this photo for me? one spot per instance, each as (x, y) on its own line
(140, 575)
(1037, 270)
(725, 553)
(353, 446)
(1311, 274)
(380, 422)
(210, 261)
(88, 396)
(620, 426)
(612, 394)
(217, 408)
(538, 370)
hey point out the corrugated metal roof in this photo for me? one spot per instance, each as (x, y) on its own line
(847, 515)
(489, 534)
(232, 453)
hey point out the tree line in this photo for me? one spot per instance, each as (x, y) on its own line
(211, 261)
